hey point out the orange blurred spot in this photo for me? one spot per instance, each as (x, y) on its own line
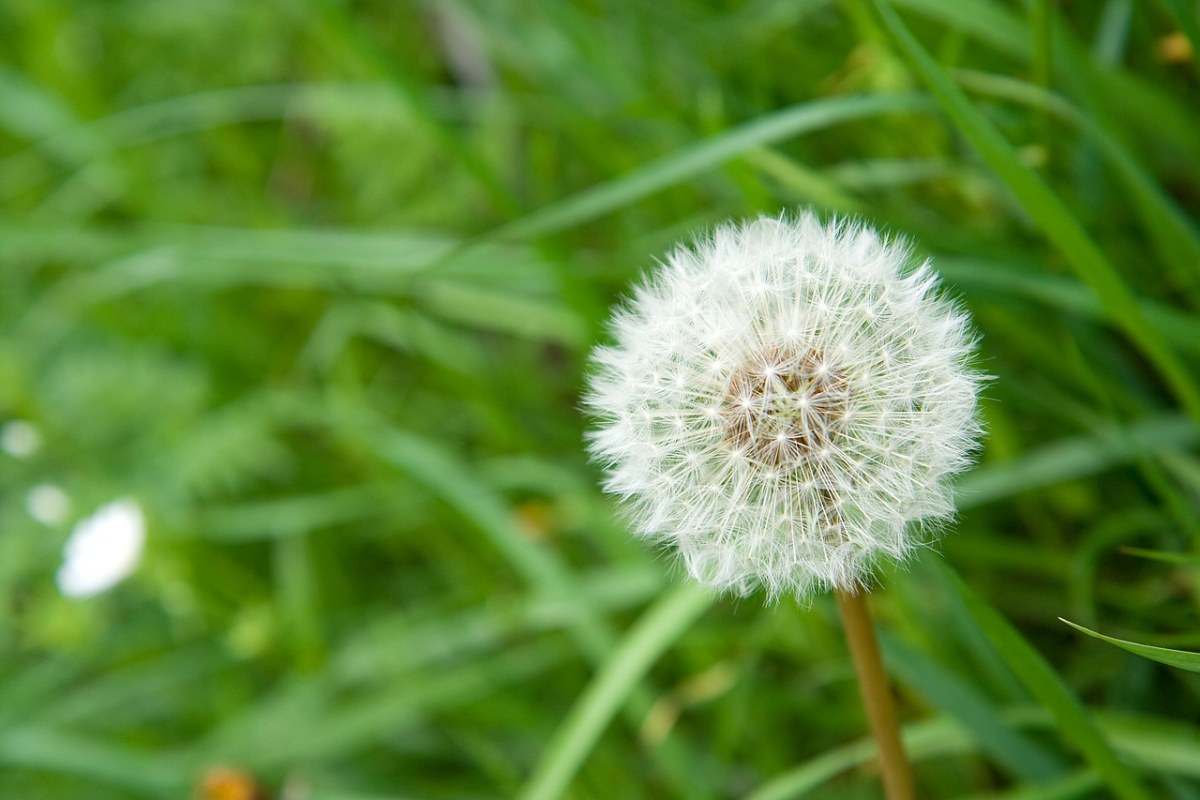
(1174, 48)
(225, 783)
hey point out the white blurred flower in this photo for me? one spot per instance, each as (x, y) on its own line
(47, 503)
(785, 404)
(20, 439)
(103, 549)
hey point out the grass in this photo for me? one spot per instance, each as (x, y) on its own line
(315, 283)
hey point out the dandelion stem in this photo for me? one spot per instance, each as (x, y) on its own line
(877, 698)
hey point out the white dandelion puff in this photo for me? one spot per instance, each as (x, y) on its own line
(103, 549)
(785, 404)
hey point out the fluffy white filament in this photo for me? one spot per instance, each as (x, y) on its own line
(785, 405)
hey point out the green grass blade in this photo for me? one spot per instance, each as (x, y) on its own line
(291, 516)
(1040, 24)
(1157, 743)
(1136, 101)
(347, 726)
(141, 774)
(700, 158)
(1048, 213)
(1074, 458)
(408, 640)
(305, 719)
(1077, 785)
(450, 479)
(441, 473)
(1173, 234)
(1021, 757)
(1040, 679)
(1112, 32)
(984, 20)
(985, 281)
(1185, 559)
(649, 638)
(805, 184)
(356, 37)
(484, 307)
(1162, 745)
(928, 739)
(1163, 655)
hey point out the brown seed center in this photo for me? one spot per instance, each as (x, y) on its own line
(784, 407)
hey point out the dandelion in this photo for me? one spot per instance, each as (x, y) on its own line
(785, 405)
(103, 549)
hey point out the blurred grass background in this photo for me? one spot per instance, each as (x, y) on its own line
(314, 282)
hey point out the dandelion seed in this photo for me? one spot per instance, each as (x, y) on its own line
(806, 400)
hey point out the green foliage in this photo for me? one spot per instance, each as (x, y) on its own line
(1182, 659)
(314, 282)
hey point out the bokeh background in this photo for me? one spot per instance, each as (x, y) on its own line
(296, 298)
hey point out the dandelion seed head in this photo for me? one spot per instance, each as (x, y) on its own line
(785, 404)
